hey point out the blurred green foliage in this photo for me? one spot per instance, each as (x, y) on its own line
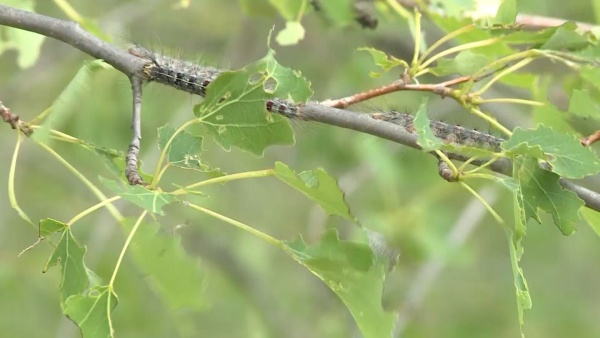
(252, 289)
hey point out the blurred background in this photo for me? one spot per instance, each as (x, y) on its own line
(453, 279)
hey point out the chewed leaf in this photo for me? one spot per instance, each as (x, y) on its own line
(383, 60)
(541, 190)
(171, 273)
(69, 254)
(427, 139)
(50, 226)
(150, 200)
(319, 187)
(91, 312)
(185, 150)
(234, 109)
(354, 273)
(565, 153)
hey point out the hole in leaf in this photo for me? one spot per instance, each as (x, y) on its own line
(256, 78)
(219, 117)
(270, 85)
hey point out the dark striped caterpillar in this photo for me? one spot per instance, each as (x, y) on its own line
(195, 79)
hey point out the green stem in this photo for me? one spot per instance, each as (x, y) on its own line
(498, 76)
(224, 179)
(509, 100)
(486, 164)
(92, 209)
(69, 11)
(485, 204)
(457, 49)
(417, 38)
(12, 196)
(111, 208)
(125, 246)
(492, 121)
(444, 39)
(237, 224)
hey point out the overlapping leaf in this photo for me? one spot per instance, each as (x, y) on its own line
(354, 273)
(185, 150)
(565, 154)
(427, 139)
(91, 312)
(150, 200)
(234, 107)
(174, 275)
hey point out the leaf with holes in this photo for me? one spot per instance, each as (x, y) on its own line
(565, 153)
(185, 150)
(150, 200)
(319, 187)
(91, 312)
(354, 273)
(170, 272)
(234, 109)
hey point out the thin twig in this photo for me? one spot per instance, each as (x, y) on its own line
(589, 140)
(14, 120)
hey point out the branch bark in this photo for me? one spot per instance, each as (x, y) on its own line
(132, 66)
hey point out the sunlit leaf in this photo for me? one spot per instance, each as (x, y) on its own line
(506, 14)
(91, 312)
(169, 270)
(592, 217)
(50, 226)
(566, 37)
(234, 108)
(289, 9)
(319, 187)
(291, 34)
(351, 271)
(150, 200)
(565, 153)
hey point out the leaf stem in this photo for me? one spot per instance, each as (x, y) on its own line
(498, 76)
(224, 179)
(240, 225)
(444, 39)
(12, 196)
(485, 204)
(92, 209)
(417, 34)
(509, 100)
(125, 246)
(456, 49)
(492, 121)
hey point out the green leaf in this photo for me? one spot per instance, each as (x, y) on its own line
(169, 270)
(566, 37)
(68, 102)
(185, 151)
(426, 139)
(583, 104)
(591, 75)
(75, 277)
(540, 190)
(289, 9)
(455, 8)
(351, 271)
(506, 14)
(27, 44)
(50, 226)
(150, 200)
(465, 63)
(565, 153)
(257, 7)
(592, 218)
(234, 108)
(339, 12)
(291, 35)
(317, 186)
(383, 60)
(91, 312)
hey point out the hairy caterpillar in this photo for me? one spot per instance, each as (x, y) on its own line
(193, 78)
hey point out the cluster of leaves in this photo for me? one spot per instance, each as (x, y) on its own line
(234, 114)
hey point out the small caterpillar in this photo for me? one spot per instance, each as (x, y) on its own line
(195, 79)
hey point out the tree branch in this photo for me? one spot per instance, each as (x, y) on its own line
(133, 66)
